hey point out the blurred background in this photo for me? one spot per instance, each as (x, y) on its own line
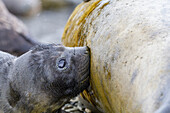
(45, 19)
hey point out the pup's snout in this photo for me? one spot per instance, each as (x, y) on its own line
(82, 50)
(87, 51)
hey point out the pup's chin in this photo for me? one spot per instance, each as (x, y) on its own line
(78, 88)
(84, 84)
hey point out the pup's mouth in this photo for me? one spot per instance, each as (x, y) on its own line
(84, 70)
(84, 83)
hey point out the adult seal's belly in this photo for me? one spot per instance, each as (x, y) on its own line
(130, 58)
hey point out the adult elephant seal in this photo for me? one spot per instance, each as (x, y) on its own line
(43, 79)
(129, 42)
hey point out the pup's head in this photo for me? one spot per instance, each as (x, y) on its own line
(48, 76)
(62, 72)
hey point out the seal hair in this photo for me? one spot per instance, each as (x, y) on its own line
(43, 79)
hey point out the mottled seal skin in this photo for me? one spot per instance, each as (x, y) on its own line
(43, 79)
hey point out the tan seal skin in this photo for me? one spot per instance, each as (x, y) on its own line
(130, 58)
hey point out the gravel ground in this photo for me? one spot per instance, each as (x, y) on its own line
(75, 106)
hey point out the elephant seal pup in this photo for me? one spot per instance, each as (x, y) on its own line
(43, 79)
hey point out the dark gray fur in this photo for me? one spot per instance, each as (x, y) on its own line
(34, 83)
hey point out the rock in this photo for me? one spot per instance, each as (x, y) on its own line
(130, 58)
(23, 7)
(14, 36)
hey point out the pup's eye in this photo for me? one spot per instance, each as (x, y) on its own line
(62, 63)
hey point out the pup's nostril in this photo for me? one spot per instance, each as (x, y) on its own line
(86, 52)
